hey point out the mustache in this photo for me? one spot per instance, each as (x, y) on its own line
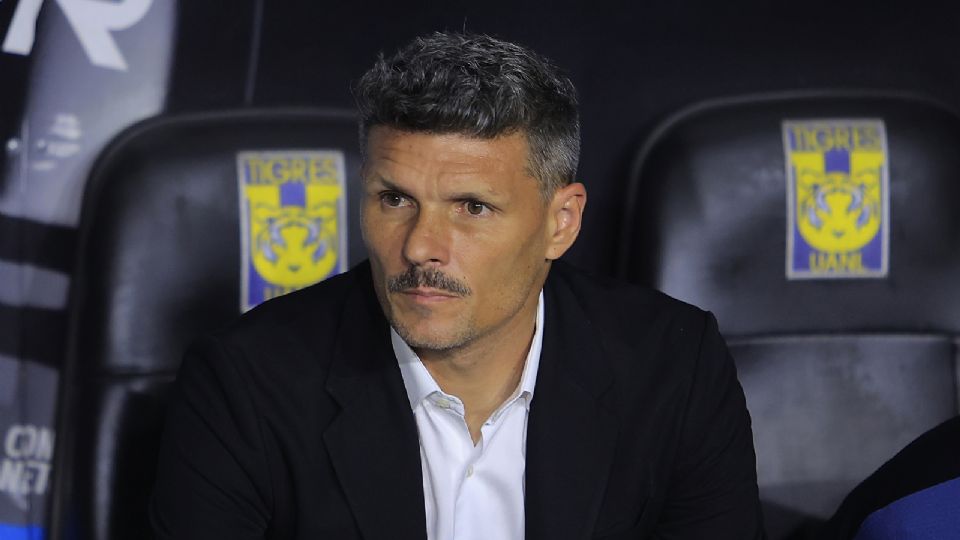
(415, 277)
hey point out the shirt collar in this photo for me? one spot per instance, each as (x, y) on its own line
(420, 384)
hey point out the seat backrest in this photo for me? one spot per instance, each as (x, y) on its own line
(182, 217)
(842, 367)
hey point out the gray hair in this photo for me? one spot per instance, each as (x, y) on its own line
(477, 86)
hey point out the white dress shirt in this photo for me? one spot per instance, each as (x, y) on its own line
(471, 492)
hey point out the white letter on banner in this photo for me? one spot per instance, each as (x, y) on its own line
(93, 20)
(20, 441)
(19, 38)
(11, 476)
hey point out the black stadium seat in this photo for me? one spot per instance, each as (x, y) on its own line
(160, 263)
(839, 373)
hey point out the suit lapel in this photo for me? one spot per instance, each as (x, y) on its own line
(571, 434)
(373, 443)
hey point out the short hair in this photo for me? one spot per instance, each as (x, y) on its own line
(477, 86)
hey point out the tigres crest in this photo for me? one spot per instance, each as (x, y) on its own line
(837, 198)
(293, 220)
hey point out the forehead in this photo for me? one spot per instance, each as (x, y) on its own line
(447, 153)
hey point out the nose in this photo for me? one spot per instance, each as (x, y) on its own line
(427, 240)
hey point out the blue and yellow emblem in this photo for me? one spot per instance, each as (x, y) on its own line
(293, 221)
(837, 198)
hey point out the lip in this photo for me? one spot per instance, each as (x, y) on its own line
(427, 295)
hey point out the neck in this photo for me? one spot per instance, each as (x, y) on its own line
(483, 375)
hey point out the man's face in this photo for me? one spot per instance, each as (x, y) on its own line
(458, 234)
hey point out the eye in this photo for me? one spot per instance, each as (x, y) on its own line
(475, 208)
(393, 199)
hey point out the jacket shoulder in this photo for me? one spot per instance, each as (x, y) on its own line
(616, 304)
(313, 311)
(642, 332)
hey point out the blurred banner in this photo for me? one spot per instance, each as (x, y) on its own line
(95, 67)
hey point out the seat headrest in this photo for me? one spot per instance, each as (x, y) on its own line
(161, 251)
(707, 216)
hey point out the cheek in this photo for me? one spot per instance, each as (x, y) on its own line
(365, 225)
(505, 271)
(376, 233)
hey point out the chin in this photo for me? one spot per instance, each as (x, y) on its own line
(431, 339)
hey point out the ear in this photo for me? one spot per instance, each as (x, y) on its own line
(565, 217)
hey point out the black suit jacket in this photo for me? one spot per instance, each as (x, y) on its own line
(293, 423)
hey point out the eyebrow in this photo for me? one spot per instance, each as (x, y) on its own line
(456, 196)
(386, 183)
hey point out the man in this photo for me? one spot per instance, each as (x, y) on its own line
(449, 388)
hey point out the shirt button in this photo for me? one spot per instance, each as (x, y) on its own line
(443, 403)
(469, 471)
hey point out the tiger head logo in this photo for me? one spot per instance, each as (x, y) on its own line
(839, 209)
(294, 246)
